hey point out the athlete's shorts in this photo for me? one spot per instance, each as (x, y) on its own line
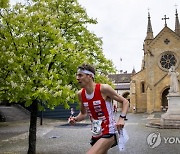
(94, 140)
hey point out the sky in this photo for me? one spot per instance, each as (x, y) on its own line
(122, 25)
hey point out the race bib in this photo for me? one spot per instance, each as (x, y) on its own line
(96, 127)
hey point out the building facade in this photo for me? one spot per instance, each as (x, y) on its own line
(122, 85)
(149, 87)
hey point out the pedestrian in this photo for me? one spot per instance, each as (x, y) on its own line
(96, 102)
(115, 108)
(72, 112)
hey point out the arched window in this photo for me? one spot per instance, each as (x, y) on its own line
(142, 87)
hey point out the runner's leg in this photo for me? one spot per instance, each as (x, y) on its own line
(102, 146)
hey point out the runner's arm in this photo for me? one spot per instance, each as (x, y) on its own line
(82, 114)
(108, 91)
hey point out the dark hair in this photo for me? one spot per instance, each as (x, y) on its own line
(87, 67)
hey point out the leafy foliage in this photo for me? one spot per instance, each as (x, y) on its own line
(41, 44)
(4, 3)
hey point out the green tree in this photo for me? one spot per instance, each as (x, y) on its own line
(41, 43)
(4, 3)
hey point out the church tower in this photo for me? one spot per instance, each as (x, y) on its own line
(149, 35)
(147, 41)
(177, 25)
(149, 87)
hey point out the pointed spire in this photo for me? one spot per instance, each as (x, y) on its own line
(177, 25)
(133, 71)
(149, 29)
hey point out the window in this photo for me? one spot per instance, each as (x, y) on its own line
(142, 87)
(167, 60)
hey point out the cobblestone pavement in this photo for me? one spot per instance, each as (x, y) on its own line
(56, 137)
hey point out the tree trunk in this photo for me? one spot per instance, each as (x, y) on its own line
(32, 128)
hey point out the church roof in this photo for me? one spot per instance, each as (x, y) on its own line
(120, 78)
(162, 32)
(175, 33)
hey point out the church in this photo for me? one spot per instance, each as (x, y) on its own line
(150, 86)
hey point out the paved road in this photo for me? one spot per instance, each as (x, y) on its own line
(55, 138)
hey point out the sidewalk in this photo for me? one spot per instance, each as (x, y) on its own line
(14, 112)
(14, 135)
(14, 130)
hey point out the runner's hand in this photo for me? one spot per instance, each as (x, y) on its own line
(120, 123)
(72, 120)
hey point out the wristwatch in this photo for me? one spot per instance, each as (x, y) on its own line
(122, 116)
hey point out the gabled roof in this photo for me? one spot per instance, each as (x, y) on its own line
(142, 70)
(120, 78)
(161, 33)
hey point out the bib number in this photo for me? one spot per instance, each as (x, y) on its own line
(96, 127)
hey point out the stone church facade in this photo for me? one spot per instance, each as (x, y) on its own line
(149, 87)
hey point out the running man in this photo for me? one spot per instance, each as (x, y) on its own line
(96, 102)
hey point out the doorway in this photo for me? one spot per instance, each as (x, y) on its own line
(164, 100)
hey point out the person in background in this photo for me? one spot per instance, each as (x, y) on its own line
(115, 108)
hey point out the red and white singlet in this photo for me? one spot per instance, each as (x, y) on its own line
(100, 112)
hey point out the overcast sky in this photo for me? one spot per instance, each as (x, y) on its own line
(122, 24)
